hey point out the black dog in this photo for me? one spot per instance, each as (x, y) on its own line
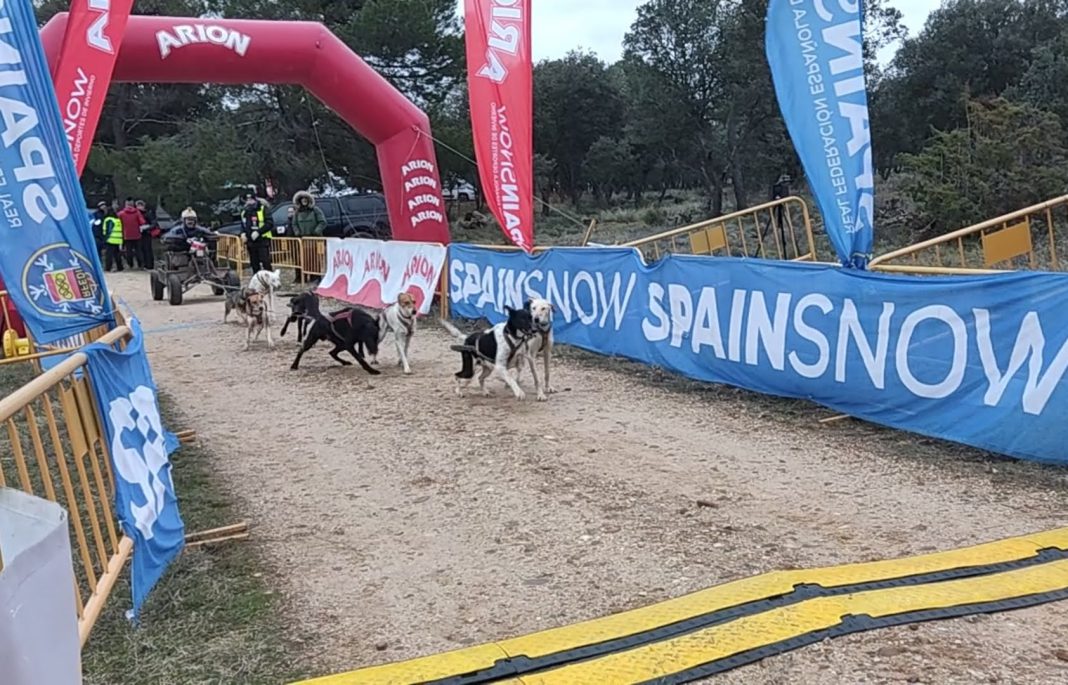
(346, 329)
(298, 314)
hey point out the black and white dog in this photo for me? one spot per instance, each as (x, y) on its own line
(350, 330)
(496, 350)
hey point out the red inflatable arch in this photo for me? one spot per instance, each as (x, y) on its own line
(187, 50)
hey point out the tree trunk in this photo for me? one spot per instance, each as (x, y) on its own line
(714, 188)
(740, 194)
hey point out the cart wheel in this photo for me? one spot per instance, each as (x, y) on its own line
(231, 280)
(157, 285)
(217, 290)
(174, 288)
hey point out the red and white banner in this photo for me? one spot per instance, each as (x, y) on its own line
(500, 78)
(373, 273)
(83, 73)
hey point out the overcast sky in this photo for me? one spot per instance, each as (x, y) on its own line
(599, 25)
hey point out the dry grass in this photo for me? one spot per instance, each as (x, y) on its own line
(213, 618)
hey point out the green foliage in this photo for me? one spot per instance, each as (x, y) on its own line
(576, 103)
(1009, 157)
(968, 49)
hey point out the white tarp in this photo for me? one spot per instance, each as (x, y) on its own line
(38, 619)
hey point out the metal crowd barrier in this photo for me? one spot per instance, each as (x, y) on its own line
(1024, 239)
(781, 229)
(54, 446)
(305, 256)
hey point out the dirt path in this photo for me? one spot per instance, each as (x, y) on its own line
(404, 521)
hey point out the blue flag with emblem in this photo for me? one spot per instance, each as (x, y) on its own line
(140, 447)
(49, 259)
(815, 51)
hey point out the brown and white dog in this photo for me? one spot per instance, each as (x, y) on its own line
(399, 318)
(258, 318)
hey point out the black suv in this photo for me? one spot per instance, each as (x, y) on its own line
(347, 216)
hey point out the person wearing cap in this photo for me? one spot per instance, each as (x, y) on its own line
(189, 227)
(257, 226)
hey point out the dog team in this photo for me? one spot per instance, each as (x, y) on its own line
(521, 339)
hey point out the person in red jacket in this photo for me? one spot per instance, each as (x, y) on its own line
(132, 221)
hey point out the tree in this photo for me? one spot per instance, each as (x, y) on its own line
(276, 132)
(1009, 156)
(575, 103)
(416, 44)
(610, 166)
(968, 49)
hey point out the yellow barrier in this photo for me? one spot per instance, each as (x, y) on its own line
(55, 448)
(1025, 239)
(781, 229)
(231, 253)
(306, 256)
(14, 347)
(286, 253)
(313, 257)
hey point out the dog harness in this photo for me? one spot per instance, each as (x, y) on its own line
(513, 348)
(344, 315)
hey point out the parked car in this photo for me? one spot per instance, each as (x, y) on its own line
(461, 190)
(347, 216)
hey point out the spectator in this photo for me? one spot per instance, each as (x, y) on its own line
(290, 229)
(149, 231)
(257, 226)
(112, 232)
(308, 220)
(132, 221)
(98, 227)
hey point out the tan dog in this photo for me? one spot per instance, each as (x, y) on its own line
(399, 318)
(258, 318)
(541, 344)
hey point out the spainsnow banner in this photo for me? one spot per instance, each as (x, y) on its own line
(815, 50)
(140, 448)
(83, 72)
(373, 273)
(48, 257)
(500, 80)
(979, 360)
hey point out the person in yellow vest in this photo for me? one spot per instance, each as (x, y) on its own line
(111, 229)
(257, 229)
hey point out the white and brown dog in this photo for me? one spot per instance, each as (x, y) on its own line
(399, 319)
(258, 319)
(541, 344)
(266, 283)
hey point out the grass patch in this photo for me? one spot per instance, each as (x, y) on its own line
(212, 618)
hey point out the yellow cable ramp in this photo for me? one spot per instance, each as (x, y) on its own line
(744, 621)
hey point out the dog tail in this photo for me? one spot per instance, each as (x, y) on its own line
(453, 330)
